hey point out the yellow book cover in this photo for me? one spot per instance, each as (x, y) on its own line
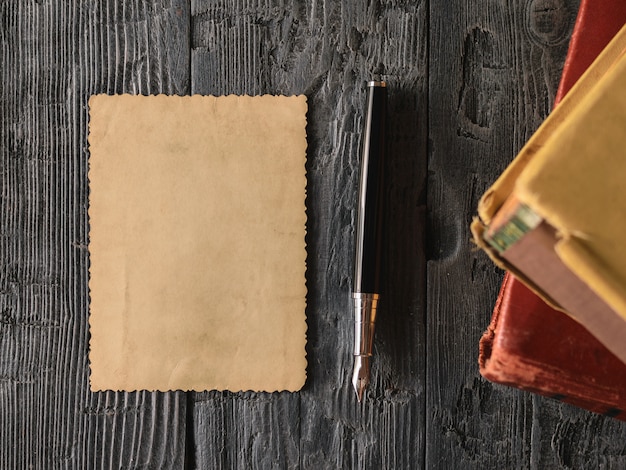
(572, 174)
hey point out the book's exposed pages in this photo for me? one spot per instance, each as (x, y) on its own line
(527, 242)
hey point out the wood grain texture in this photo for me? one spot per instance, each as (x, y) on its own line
(493, 77)
(327, 50)
(467, 87)
(54, 55)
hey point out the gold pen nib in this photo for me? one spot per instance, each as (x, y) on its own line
(361, 375)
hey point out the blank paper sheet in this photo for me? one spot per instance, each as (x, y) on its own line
(197, 242)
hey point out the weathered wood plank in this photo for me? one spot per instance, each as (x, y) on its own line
(54, 55)
(493, 75)
(327, 50)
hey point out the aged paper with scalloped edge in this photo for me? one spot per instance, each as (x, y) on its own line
(197, 242)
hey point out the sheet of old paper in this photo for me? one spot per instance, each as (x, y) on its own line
(197, 251)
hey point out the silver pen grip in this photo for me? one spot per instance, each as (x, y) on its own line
(365, 306)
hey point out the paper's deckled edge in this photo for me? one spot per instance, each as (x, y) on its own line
(306, 210)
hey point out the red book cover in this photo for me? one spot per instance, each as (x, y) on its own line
(529, 345)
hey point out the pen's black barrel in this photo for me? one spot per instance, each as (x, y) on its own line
(370, 214)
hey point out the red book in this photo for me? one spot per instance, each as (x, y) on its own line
(529, 345)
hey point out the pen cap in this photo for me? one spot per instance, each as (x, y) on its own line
(370, 216)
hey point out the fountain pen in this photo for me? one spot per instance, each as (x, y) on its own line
(368, 243)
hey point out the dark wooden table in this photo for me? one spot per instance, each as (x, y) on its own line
(468, 84)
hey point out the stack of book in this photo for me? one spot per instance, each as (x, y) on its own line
(554, 220)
